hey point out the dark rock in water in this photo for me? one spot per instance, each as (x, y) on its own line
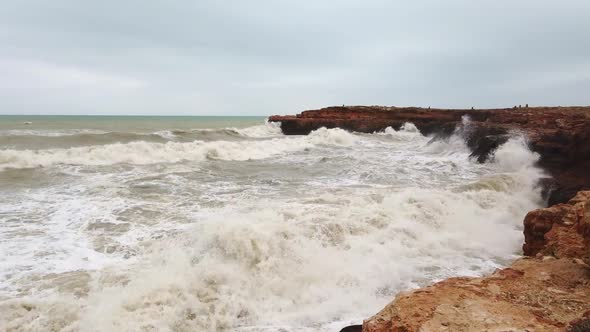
(561, 135)
(352, 328)
(484, 141)
(580, 325)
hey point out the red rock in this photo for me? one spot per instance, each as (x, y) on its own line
(532, 295)
(561, 230)
(548, 293)
(561, 135)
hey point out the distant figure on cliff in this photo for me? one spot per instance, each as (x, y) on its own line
(527, 105)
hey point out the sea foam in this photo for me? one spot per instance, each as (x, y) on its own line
(297, 256)
(141, 152)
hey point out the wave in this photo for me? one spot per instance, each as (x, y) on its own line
(291, 262)
(141, 152)
(268, 129)
(407, 132)
(49, 133)
(44, 139)
(264, 264)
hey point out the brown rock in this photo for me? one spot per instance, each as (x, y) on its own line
(548, 293)
(561, 230)
(531, 295)
(561, 135)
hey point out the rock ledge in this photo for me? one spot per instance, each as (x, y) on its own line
(561, 135)
(547, 292)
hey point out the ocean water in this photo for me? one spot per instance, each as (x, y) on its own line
(225, 224)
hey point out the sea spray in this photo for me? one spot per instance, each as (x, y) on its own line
(142, 152)
(292, 233)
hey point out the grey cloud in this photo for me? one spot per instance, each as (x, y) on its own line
(264, 57)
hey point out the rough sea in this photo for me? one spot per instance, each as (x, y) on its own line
(225, 224)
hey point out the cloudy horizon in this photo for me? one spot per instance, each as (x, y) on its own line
(282, 57)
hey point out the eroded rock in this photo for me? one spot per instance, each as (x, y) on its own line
(531, 295)
(561, 135)
(562, 230)
(549, 291)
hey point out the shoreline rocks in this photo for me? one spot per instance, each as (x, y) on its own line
(561, 230)
(561, 135)
(531, 295)
(549, 290)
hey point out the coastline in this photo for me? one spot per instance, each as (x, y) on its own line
(561, 135)
(547, 290)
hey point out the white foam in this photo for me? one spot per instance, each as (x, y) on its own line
(49, 133)
(268, 129)
(141, 152)
(311, 255)
(334, 136)
(166, 134)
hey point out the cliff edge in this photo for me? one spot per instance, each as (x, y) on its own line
(561, 135)
(549, 289)
(547, 292)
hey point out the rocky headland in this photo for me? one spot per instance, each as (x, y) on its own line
(548, 289)
(561, 135)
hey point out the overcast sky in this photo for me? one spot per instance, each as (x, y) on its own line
(283, 56)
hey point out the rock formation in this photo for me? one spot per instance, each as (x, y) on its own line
(547, 292)
(561, 231)
(531, 295)
(561, 135)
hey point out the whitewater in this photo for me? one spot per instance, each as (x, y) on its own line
(205, 224)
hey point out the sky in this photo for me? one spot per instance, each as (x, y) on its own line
(228, 57)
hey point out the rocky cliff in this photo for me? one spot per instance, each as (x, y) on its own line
(561, 135)
(547, 292)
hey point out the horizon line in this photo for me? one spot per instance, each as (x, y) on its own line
(145, 115)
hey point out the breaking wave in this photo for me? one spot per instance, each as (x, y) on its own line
(141, 152)
(311, 255)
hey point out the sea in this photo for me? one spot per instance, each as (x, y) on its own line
(133, 223)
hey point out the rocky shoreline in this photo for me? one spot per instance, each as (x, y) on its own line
(548, 289)
(561, 135)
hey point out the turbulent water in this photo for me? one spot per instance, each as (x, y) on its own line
(225, 224)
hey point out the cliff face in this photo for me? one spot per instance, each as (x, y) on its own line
(547, 291)
(550, 292)
(561, 231)
(561, 135)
